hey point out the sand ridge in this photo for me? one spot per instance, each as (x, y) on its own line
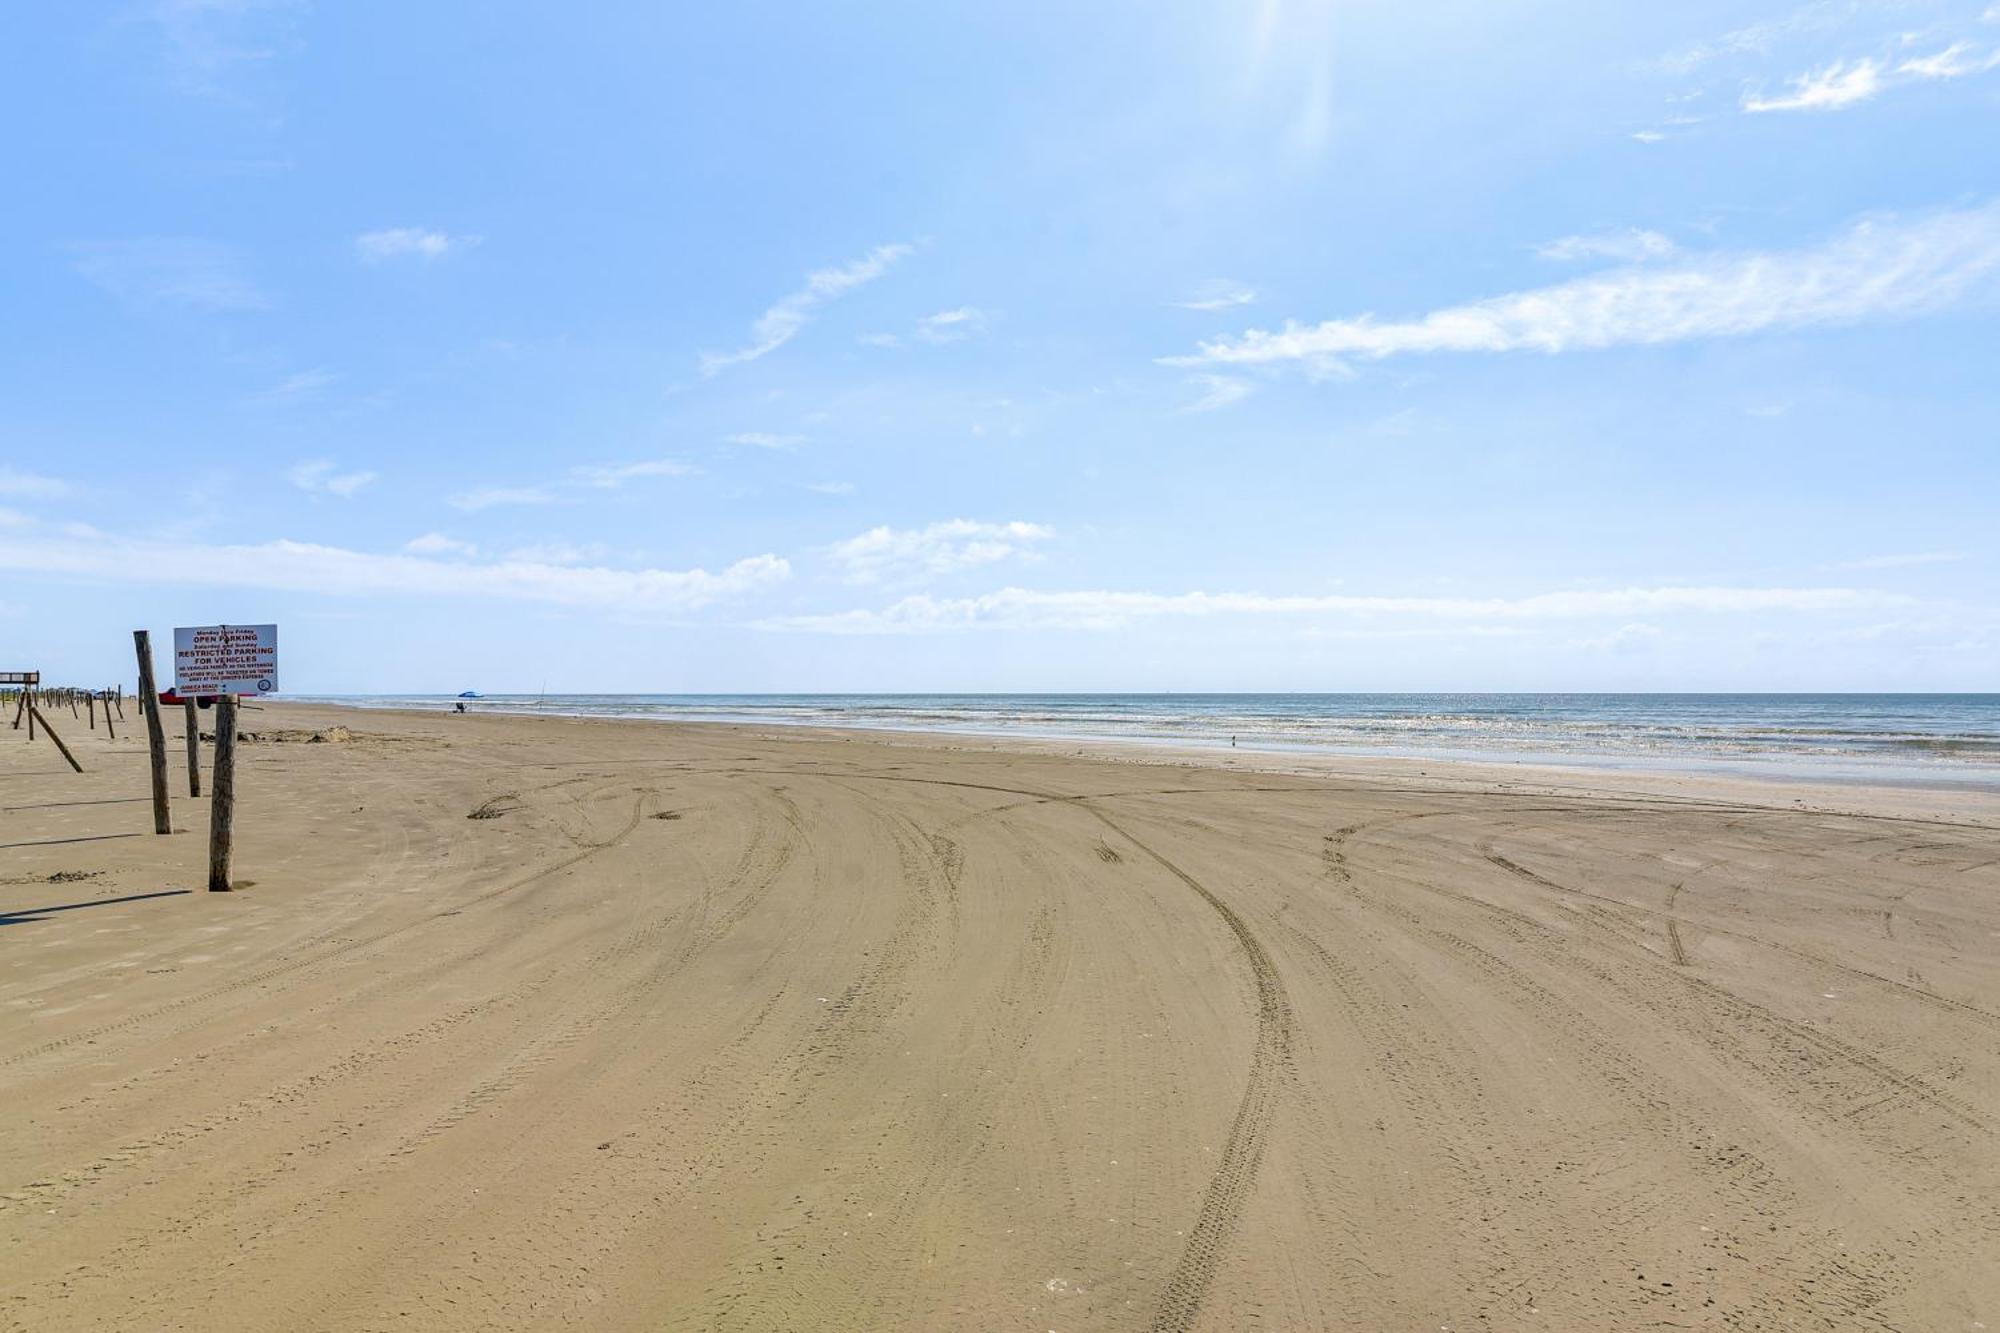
(739, 1028)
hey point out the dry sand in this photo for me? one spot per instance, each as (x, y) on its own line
(733, 1028)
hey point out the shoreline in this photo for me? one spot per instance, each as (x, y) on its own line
(1804, 765)
(1965, 801)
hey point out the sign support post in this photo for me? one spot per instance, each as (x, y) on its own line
(194, 747)
(222, 805)
(156, 737)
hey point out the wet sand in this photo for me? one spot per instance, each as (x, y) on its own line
(746, 1028)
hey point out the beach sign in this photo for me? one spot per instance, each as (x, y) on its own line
(225, 659)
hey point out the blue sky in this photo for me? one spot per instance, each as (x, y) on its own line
(1290, 345)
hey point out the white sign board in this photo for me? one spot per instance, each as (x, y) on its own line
(226, 659)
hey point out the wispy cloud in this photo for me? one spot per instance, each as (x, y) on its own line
(409, 243)
(1848, 83)
(303, 567)
(490, 497)
(206, 42)
(831, 487)
(782, 322)
(293, 388)
(951, 326)
(1633, 245)
(1955, 61)
(31, 485)
(169, 271)
(1022, 608)
(436, 543)
(1218, 391)
(322, 476)
(878, 340)
(761, 439)
(892, 554)
(610, 476)
(1883, 269)
(1760, 37)
(1829, 89)
(1218, 294)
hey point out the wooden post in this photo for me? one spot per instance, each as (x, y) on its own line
(156, 737)
(109, 730)
(194, 748)
(20, 707)
(37, 713)
(31, 715)
(222, 805)
(90, 702)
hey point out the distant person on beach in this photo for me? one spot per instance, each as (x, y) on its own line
(458, 708)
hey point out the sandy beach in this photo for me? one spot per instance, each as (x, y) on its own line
(544, 1023)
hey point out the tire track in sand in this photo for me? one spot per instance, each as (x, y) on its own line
(1243, 1151)
(327, 955)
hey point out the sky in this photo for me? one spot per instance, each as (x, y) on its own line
(1265, 345)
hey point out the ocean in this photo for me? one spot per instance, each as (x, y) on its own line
(1942, 737)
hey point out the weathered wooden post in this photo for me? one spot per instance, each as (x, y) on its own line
(37, 713)
(194, 748)
(90, 702)
(109, 730)
(31, 715)
(156, 737)
(222, 805)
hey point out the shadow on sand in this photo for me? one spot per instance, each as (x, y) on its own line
(25, 915)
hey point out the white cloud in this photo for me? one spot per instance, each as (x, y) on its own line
(950, 326)
(558, 553)
(302, 567)
(1219, 294)
(1902, 561)
(759, 439)
(608, 477)
(878, 340)
(940, 548)
(1955, 61)
(1649, 136)
(1632, 246)
(1845, 84)
(169, 271)
(408, 242)
(1021, 608)
(1828, 89)
(782, 322)
(436, 543)
(31, 485)
(1877, 270)
(322, 476)
(831, 487)
(1218, 391)
(1625, 640)
(488, 497)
